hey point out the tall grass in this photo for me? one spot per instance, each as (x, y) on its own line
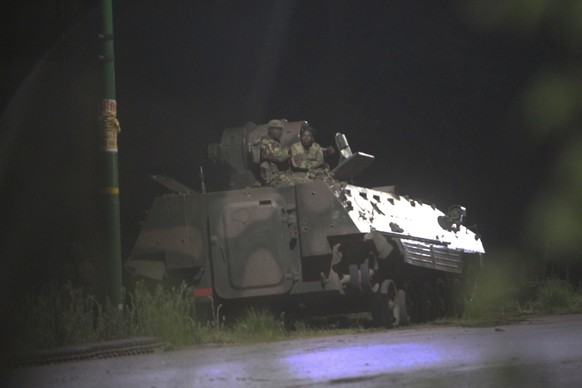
(557, 296)
(167, 314)
(64, 316)
(56, 317)
(258, 324)
(500, 297)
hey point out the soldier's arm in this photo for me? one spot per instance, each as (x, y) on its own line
(299, 162)
(318, 161)
(307, 160)
(274, 153)
(281, 154)
(299, 158)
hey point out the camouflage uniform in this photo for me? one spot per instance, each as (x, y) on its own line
(306, 159)
(274, 162)
(308, 164)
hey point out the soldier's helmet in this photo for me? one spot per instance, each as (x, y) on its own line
(275, 124)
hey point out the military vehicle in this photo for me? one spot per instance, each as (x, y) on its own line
(319, 247)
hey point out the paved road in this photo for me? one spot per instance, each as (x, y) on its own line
(544, 351)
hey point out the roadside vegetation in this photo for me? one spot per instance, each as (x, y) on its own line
(57, 317)
(500, 298)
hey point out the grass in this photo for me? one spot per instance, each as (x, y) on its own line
(56, 317)
(167, 314)
(64, 316)
(500, 298)
(557, 296)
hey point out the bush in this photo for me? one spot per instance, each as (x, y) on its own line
(168, 315)
(258, 324)
(501, 300)
(555, 295)
(495, 298)
(54, 317)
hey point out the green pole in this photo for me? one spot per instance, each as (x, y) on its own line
(109, 192)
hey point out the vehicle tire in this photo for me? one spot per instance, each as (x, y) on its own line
(355, 279)
(456, 305)
(404, 318)
(440, 300)
(425, 301)
(365, 276)
(385, 306)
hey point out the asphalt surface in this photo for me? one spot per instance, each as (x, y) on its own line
(539, 352)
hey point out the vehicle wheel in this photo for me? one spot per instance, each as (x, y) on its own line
(385, 305)
(413, 302)
(355, 279)
(404, 318)
(456, 305)
(440, 300)
(470, 283)
(425, 310)
(365, 276)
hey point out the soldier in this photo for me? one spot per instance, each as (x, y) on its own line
(274, 161)
(307, 155)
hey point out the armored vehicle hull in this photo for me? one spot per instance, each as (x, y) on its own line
(315, 247)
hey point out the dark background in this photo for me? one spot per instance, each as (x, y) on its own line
(461, 102)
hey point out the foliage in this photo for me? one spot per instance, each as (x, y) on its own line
(495, 295)
(549, 110)
(258, 325)
(168, 315)
(555, 295)
(65, 316)
(503, 299)
(56, 317)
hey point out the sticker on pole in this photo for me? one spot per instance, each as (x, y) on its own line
(110, 124)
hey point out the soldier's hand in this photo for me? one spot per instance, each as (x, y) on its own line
(329, 150)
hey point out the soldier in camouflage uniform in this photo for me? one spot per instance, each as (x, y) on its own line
(307, 156)
(274, 163)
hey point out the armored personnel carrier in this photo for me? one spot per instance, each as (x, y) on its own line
(319, 247)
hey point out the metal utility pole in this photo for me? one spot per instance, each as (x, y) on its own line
(109, 189)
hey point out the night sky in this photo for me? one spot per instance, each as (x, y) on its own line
(410, 84)
(435, 96)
